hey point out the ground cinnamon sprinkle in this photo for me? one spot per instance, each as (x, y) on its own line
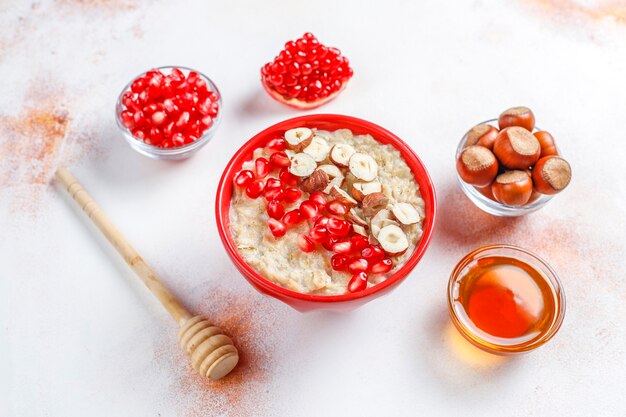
(251, 320)
(31, 145)
(577, 10)
(111, 5)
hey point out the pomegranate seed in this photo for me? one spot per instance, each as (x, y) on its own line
(178, 139)
(273, 183)
(292, 217)
(343, 247)
(280, 159)
(305, 244)
(336, 207)
(307, 70)
(207, 121)
(276, 145)
(255, 188)
(338, 227)
(318, 234)
(262, 167)
(275, 209)
(319, 198)
(169, 107)
(155, 137)
(274, 194)
(358, 282)
(168, 130)
(308, 210)
(359, 242)
(373, 253)
(127, 119)
(158, 117)
(292, 195)
(321, 221)
(277, 228)
(140, 134)
(357, 265)
(183, 119)
(329, 242)
(339, 262)
(382, 267)
(243, 178)
(287, 177)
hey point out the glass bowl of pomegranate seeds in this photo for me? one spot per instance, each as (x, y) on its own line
(169, 112)
(325, 211)
(306, 74)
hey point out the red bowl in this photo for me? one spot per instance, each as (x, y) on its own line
(308, 302)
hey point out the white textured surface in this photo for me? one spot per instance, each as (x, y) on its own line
(80, 336)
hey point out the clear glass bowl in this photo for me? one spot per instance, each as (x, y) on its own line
(491, 206)
(180, 152)
(504, 346)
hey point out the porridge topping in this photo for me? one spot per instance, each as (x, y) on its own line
(334, 227)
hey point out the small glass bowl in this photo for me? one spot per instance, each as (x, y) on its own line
(180, 152)
(504, 346)
(491, 206)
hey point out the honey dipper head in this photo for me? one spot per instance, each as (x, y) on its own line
(212, 353)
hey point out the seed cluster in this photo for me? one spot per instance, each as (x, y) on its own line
(171, 110)
(306, 71)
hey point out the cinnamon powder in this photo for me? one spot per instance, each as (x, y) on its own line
(573, 10)
(31, 146)
(251, 321)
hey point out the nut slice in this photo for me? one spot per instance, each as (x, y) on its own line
(359, 229)
(302, 165)
(341, 196)
(373, 203)
(341, 153)
(318, 149)
(361, 189)
(354, 217)
(334, 174)
(363, 166)
(406, 213)
(393, 240)
(299, 138)
(316, 182)
(376, 222)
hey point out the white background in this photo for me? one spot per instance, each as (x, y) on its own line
(79, 334)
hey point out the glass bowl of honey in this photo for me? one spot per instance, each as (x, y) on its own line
(505, 299)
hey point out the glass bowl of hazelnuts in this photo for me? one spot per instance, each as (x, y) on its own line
(510, 167)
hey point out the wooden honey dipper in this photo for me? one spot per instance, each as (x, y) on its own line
(212, 353)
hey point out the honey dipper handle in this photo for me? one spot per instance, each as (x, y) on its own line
(131, 256)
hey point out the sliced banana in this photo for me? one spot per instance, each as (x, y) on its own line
(318, 149)
(302, 165)
(363, 166)
(393, 240)
(406, 213)
(361, 189)
(341, 153)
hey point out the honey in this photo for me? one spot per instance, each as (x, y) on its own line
(505, 304)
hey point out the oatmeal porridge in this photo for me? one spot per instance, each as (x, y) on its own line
(326, 213)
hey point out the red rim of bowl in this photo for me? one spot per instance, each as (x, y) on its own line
(331, 122)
